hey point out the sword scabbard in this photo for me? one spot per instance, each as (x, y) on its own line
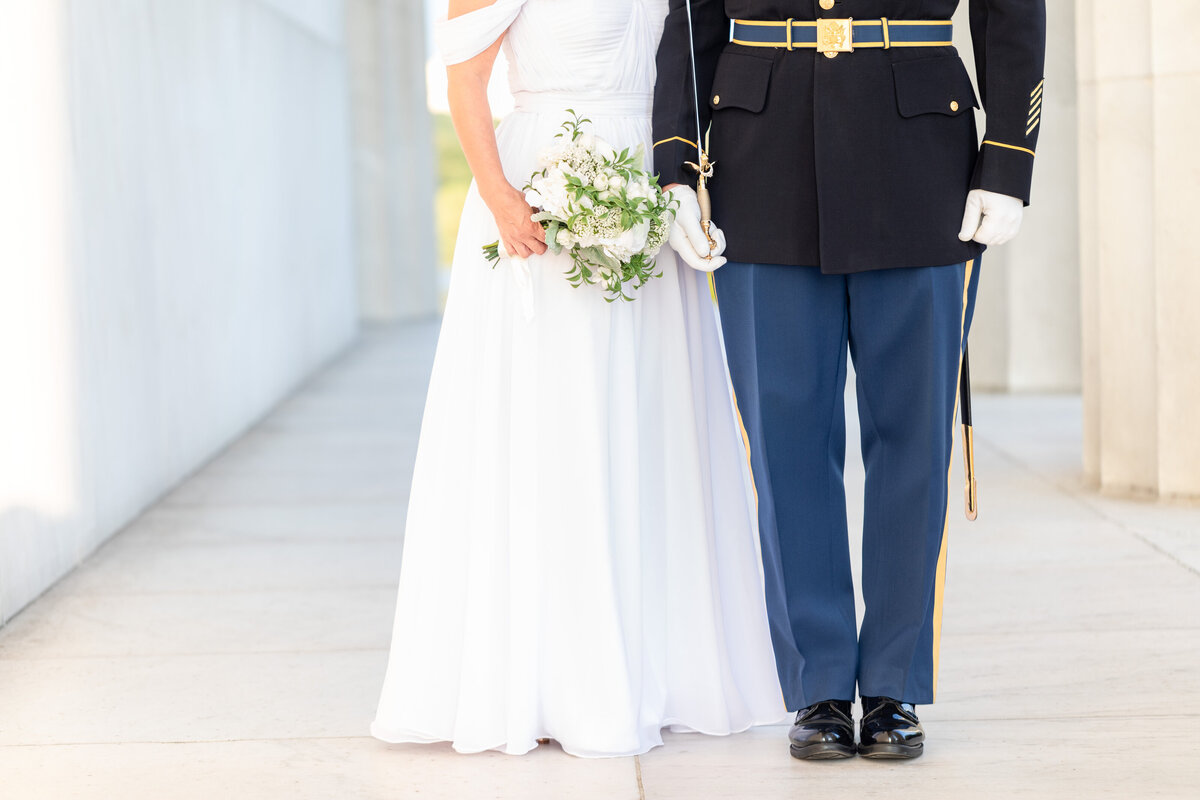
(971, 490)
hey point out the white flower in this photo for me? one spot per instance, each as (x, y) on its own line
(634, 239)
(596, 146)
(640, 188)
(600, 182)
(566, 239)
(549, 192)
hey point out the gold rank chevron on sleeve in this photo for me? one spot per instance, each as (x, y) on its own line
(1035, 108)
(1009, 40)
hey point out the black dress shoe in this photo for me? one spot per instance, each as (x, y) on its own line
(890, 729)
(823, 730)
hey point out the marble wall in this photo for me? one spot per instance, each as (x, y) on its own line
(1139, 80)
(176, 249)
(393, 165)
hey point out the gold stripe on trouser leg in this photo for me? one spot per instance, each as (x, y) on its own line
(940, 581)
(712, 289)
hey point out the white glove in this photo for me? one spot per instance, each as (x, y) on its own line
(687, 237)
(991, 218)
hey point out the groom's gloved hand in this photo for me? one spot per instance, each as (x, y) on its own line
(687, 236)
(991, 218)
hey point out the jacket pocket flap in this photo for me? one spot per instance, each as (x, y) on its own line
(741, 82)
(938, 85)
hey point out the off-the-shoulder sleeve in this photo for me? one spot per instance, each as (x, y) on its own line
(466, 36)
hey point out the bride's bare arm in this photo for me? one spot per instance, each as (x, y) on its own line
(472, 116)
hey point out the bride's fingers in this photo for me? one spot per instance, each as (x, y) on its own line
(526, 244)
(517, 249)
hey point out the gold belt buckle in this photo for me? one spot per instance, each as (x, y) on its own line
(835, 36)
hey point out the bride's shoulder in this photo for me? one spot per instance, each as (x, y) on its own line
(472, 26)
(459, 8)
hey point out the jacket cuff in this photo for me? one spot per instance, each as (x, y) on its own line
(1004, 169)
(669, 158)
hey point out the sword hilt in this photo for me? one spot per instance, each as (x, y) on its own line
(704, 171)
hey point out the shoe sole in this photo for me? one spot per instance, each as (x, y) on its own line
(891, 751)
(822, 752)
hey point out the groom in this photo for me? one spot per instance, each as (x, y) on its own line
(857, 201)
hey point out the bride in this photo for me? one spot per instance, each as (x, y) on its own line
(580, 557)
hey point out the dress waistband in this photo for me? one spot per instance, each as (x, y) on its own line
(587, 104)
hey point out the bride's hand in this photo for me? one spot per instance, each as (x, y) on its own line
(522, 237)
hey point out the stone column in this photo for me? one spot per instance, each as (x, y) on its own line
(1026, 335)
(1139, 80)
(393, 159)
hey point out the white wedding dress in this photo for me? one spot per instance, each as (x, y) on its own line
(580, 558)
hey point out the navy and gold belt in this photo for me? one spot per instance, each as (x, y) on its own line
(833, 36)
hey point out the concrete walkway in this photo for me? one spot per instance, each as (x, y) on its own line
(230, 643)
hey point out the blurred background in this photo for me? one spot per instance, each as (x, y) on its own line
(204, 201)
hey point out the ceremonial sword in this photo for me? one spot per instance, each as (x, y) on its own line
(703, 167)
(968, 437)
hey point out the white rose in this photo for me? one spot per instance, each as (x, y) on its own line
(600, 182)
(641, 188)
(565, 238)
(634, 239)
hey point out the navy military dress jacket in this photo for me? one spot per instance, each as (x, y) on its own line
(859, 161)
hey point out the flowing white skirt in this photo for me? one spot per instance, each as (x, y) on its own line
(581, 558)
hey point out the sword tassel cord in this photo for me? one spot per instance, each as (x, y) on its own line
(703, 167)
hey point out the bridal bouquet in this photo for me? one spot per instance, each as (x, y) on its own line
(599, 206)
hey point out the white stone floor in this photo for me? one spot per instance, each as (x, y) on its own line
(231, 641)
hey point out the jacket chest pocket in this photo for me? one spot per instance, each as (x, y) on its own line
(938, 85)
(741, 82)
